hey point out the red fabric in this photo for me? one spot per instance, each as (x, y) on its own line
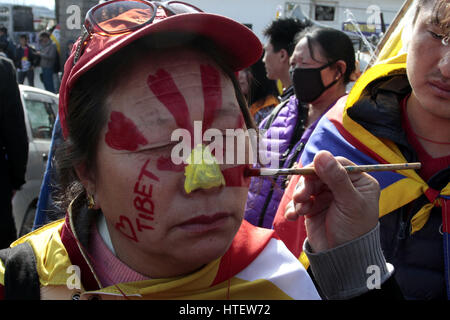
(246, 246)
(75, 256)
(445, 215)
(292, 233)
(430, 165)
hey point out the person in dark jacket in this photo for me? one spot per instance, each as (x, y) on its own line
(13, 148)
(10, 49)
(400, 112)
(26, 60)
(48, 53)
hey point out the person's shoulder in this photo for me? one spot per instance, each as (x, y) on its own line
(42, 236)
(6, 63)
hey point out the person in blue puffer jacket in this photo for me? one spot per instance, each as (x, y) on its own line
(322, 65)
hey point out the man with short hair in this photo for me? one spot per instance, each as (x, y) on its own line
(399, 111)
(26, 60)
(278, 50)
(48, 54)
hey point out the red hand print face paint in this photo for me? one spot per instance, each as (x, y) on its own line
(212, 94)
(163, 86)
(165, 89)
(234, 177)
(123, 134)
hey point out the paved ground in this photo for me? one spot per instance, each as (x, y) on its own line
(37, 80)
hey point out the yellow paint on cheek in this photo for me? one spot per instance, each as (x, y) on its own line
(203, 172)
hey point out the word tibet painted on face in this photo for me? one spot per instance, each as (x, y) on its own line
(144, 205)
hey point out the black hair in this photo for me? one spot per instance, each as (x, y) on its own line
(281, 33)
(335, 45)
(259, 85)
(44, 34)
(86, 113)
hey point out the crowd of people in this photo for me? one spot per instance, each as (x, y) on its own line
(27, 58)
(140, 226)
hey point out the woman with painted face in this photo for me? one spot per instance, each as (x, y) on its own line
(140, 224)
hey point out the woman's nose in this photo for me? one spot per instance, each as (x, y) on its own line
(203, 172)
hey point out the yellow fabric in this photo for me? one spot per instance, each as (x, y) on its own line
(421, 217)
(404, 191)
(392, 65)
(2, 273)
(267, 102)
(280, 87)
(53, 262)
(197, 287)
(203, 172)
(304, 260)
(392, 47)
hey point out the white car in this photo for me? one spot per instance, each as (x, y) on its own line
(40, 110)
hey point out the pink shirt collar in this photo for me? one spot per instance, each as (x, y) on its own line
(109, 269)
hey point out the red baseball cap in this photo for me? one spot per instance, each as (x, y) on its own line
(239, 45)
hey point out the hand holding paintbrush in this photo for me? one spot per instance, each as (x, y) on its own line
(338, 205)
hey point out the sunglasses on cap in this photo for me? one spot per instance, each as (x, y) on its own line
(118, 17)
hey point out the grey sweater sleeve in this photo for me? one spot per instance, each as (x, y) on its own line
(351, 269)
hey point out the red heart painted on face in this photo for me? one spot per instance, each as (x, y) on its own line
(126, 228)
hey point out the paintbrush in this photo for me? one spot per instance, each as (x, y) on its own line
(253, 172)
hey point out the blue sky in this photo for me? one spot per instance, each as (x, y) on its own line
(45, 3)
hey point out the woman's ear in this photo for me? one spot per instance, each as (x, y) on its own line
(341, 68)
(87, 179)
(357, 73)
(284, 56)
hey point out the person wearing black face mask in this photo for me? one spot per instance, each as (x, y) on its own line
(308, 83)
(322, 64)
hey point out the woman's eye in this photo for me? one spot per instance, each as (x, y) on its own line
(436, 35)
(157, 148)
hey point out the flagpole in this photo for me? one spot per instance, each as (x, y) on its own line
(406, 5)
